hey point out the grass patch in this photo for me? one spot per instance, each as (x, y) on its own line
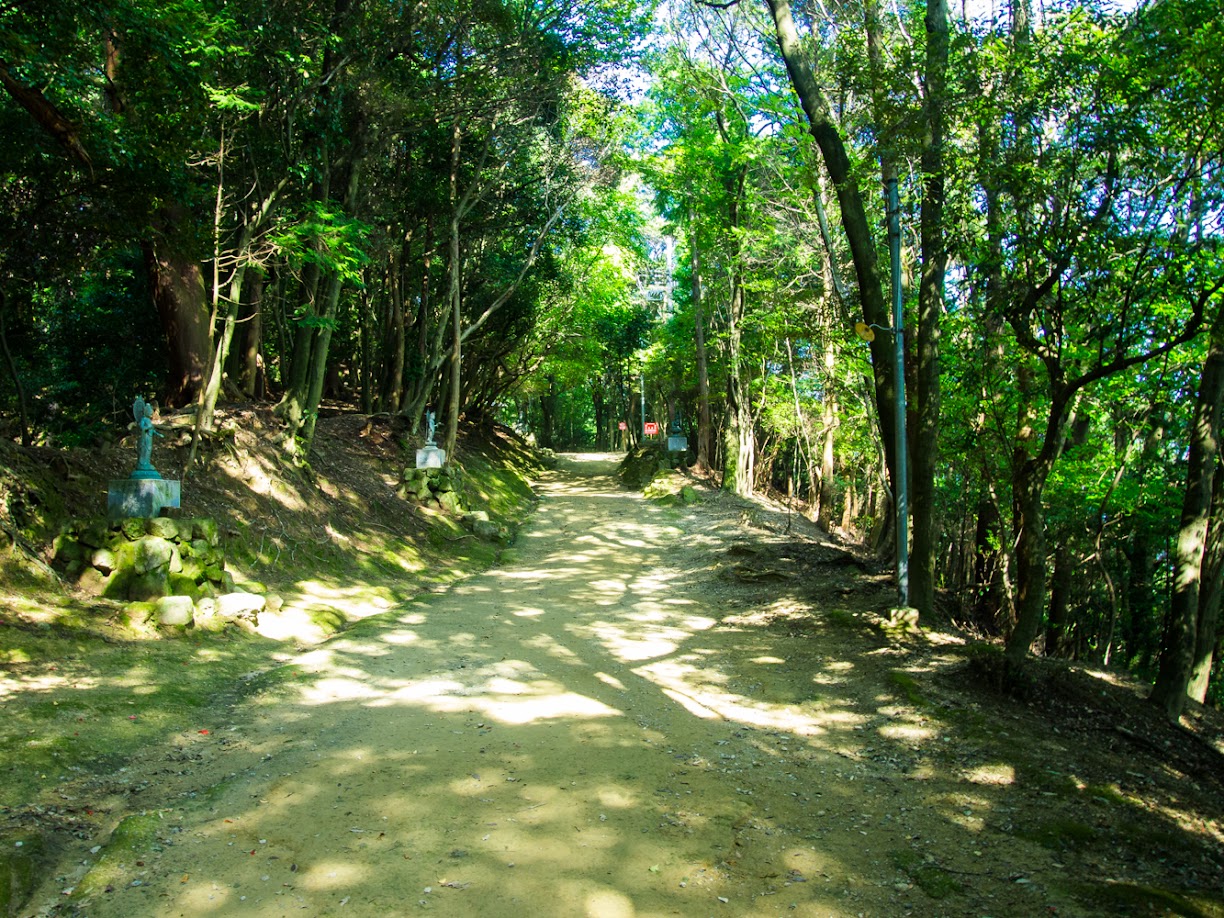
(1136, 899)
(329, 620)
(841, 618)
(79, 706)
(1060, 834)
(927, 876)
(905, 685)
(1108, 793)
(134, 836)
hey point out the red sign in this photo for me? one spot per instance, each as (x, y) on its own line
(623, 426)
(651, 428)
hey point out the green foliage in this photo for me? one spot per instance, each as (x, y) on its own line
(325, 236)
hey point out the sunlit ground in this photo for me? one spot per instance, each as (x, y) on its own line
(592, 731)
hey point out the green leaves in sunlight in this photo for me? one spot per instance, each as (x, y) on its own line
(325, 236)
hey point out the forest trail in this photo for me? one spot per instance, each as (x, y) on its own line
(607, 727)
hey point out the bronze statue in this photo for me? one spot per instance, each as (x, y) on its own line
(142, 411)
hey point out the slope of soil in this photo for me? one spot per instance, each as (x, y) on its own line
(658, 710)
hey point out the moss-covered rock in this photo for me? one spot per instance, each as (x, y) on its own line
(163, 527)
(207, 530)
(174, 611)
(132, 527)
(139, 615)
(152, 553)
(450, 502)
(150, 585)
(116, 585)
(103, 559)
(184, 585)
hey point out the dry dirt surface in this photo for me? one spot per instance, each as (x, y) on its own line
(652, 710)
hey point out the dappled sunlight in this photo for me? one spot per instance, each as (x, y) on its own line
(600, 728)
(608, 903)
(335, 874)
(401, 637)
(646, 644)
(201, 898)
(997, 774)
(691, 686)
(330, 689)
(510, 709)
(908, 732)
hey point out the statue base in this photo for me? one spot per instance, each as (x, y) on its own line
(142, 497)
(677, 444)
(431, 457)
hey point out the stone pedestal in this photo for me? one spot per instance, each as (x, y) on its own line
(677, 444)
(141, 497)
(430, 457)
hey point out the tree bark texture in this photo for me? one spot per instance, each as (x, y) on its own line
(1177, 653)
(703, 369)
(177, 289)
(1211, 592)
(854, 218)
(925, 438)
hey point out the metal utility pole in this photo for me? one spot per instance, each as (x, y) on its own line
(898, 330)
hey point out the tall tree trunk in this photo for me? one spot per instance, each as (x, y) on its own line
(703, 369)
(16, 376)
(177, 287)
(1028, 487)
(1060, 601)
(739, 446)
(297, 380)
(988, 567)
(854, 218)
(930, 308)
(452, 415)
(1178, 653)
(331, 302)
(247, 372)
(396, 350)
(1207, 643)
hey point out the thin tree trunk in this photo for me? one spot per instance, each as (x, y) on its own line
(1060, 600)
(393, 390)
(854, 218)
(1178, 652)
(452, 415)
(331, 302)
(12, 368)
(930, 308)
(703, 369)
(1206, 645)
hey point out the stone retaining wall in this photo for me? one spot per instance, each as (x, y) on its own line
(144, 559)
(170, 572)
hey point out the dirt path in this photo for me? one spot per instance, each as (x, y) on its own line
(603, 728)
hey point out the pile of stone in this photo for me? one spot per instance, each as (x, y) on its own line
(437, 487)
(170, 571)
